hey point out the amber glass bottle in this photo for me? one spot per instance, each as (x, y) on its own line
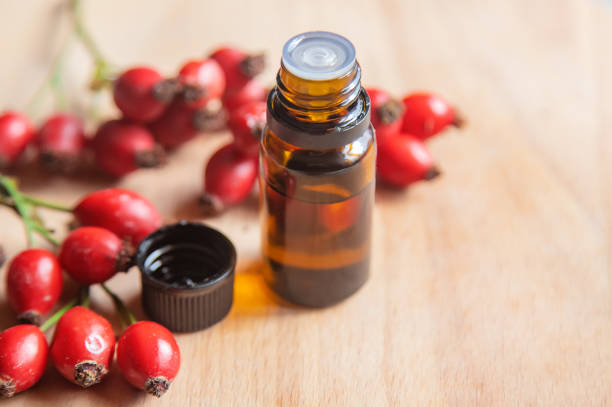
(318, 158)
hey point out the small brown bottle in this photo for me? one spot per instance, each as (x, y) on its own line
(318, 160)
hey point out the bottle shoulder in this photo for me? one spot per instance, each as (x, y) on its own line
(312, 159)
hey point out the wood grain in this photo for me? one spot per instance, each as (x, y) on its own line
(490, 286)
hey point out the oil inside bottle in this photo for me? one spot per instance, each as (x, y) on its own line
(318, 253)
(317, 176)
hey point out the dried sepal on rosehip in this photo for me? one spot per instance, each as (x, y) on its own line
(149, 357)
(202, 81)
(247, 124)
(427, 114)
(238, 66)
(33, 284)
(403, 160)
(386, 114)
(181, 123)
(92, 255)
(23, 358)
(121, 147)
(61, 143)
(142, 94)
(83, 346)
(229, 177)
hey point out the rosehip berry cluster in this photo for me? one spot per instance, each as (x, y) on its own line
(158, 114)
(401, 129)
(202, 96)
(83, 345)
(60, 141)
(61, 145)
(231, 172)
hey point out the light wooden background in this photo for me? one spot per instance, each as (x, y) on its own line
(490, 286)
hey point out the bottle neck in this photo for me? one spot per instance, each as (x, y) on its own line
(322, 102)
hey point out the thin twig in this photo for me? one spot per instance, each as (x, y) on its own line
(127, 318)
(55, 317)
(45, 204)
(83, 34)
(84, 297)
(46, 233)
(36, 98)
(10, 186)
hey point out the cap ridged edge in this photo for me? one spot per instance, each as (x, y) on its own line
(187, 313)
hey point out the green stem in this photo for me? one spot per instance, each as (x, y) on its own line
(46, 233)
(10, 186)
(57, 85)
(126, 316)
(52, 80)
(84, 297)
(55, 317)
(25, 206)
(103, 71)
(83, 34)
(45, 204)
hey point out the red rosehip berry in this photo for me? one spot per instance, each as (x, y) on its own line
(247, 123)
(229, 177)
(404, 159)
(149, 357)
(33, 284)
(427, 114)
(123, 212)
(252, 91)
(83, 346)
(92, 255)
(238, 66)
(180, 123)
(16, 132)
(142, 94)
(23, 358)
(386, 114)
(121, 147)
(61, 142)
(202, 81)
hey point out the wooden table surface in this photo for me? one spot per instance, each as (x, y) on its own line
(490, 286)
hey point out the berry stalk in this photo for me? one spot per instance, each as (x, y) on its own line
(52, 81)
(127, 318)
(84, 298)
(104, 72)
(23, 209)
(58, 314)
(45, 204)
(25, 206)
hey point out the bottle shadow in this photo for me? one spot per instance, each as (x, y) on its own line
(254, 298)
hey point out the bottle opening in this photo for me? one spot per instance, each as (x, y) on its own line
(319, 56)
(185, 255)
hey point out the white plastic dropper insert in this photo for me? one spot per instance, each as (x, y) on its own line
(319, 56)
